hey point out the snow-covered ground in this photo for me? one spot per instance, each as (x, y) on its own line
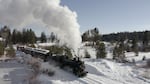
(104, 71)
(100, 71)
(12, 72)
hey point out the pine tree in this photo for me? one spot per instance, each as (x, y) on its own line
(95, 35)
(86, 36)
(118, 52)
(6, 34)
(52, 37)
(101, 52)
(24, 36)
(135, 46)
(19, 38)
(32, 37)
(146, 40)
(14, 39)
(43, 37)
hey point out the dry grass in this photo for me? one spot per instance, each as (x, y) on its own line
(35, 65)
(37, 70)
(146, 74)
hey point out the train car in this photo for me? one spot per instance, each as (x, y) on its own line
(35, 52)
(76, 66)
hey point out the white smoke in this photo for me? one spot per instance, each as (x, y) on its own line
(59, 19)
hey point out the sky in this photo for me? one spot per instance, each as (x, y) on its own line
(111, 15)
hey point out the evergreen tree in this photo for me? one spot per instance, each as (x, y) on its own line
(85, 36)
(43, 37)
(135, 46)
(52, 37)
(118, 52)
(25, 37)
(115, 54)
(95, 35)
(14, 39)
(6, 34)
(91, 35)
(32, 37)
(101, 52)
(19, 37)
(146, 40)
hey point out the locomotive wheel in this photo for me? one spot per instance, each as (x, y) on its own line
(77, 73)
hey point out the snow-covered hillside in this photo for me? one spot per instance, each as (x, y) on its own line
(103, 71)
(100, 71)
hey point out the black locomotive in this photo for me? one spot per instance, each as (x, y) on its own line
(75, 65)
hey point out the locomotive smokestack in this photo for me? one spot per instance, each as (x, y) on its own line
(59, 19)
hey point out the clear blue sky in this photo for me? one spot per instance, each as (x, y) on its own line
(111, 15)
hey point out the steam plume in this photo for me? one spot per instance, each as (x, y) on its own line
(59, 19)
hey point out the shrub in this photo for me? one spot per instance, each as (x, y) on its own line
(101, 53)
(35, 64)
(10, 51)
(55, 49)
(60, 50)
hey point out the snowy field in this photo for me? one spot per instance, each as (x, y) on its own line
(12, 72)
(100, 71)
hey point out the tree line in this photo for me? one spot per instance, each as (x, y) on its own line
(140, 39)
(25, 36)
(93, 36)
(122, 42)
(140, 36)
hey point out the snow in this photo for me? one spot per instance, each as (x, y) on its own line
(46, 44)
(90, 50)
(12, 72)
(131, 55)
(103, 71)
(100, 71)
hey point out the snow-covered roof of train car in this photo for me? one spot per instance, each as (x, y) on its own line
(29, 48)
(39, 50)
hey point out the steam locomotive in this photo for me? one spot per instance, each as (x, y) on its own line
(75, 65)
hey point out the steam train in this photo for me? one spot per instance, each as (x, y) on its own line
(75, 65)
